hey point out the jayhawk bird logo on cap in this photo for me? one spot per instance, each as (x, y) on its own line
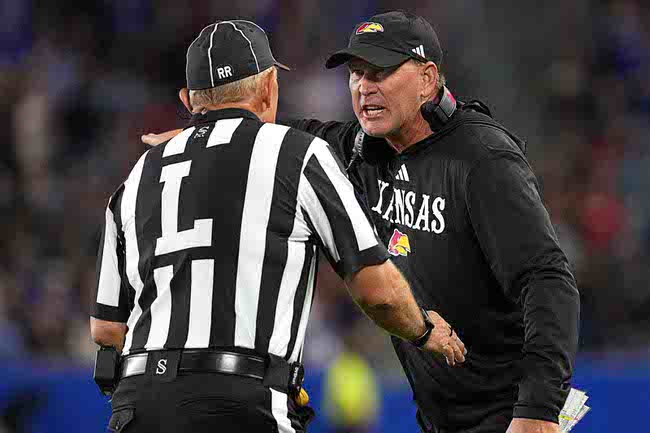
(370, 28)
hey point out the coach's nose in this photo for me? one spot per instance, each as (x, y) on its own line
(367, 86)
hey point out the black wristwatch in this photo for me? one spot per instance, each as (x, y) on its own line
(422, 340)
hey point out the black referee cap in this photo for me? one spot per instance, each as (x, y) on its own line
(388, 39)
(228, 51)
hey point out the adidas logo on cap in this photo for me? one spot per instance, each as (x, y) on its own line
(419, 50)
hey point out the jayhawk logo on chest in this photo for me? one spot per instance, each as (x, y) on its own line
(399, 244)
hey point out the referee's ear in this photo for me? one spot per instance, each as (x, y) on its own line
(267, 96)
(184, 94)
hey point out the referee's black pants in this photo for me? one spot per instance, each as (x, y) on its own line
(203, 402)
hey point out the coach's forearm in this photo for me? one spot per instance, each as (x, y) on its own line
(398, 318)
(386, 298)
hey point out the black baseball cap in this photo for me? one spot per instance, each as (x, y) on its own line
(228, 51)
(388, 39)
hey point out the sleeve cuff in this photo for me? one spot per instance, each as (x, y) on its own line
(533, 412)
(372, 256)
(109, 314)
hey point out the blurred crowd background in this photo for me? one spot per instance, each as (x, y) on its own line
(82, 80)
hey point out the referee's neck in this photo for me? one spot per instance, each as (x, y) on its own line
(264, 115)
(239, 105)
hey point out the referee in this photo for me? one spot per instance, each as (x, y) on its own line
(207, 264)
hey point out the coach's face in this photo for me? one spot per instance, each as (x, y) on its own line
(385, 100)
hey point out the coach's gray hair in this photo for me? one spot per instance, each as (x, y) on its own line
(440, 82)
(238, 91)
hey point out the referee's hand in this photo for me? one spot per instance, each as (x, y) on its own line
(443, 339)
(156, 139)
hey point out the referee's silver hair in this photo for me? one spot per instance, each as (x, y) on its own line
(237, 91)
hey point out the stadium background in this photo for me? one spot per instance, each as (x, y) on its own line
(81, 80)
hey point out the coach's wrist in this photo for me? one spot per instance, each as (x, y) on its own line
(527, 425)
(426, 333)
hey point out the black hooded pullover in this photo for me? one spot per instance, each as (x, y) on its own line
(462, 216)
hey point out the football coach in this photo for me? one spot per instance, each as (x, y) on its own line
(456, 202)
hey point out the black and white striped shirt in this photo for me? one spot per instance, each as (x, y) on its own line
(212, 240)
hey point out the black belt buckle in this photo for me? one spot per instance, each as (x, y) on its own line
(296, 379)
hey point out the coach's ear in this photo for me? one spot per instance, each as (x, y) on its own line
(184, 94)
(428, 78)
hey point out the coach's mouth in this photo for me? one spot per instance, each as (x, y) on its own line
(372, 111)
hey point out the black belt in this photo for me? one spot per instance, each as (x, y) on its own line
(203, 361)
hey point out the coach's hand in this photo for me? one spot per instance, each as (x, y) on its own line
(156, 139)
(443, 339)
(524, 425)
